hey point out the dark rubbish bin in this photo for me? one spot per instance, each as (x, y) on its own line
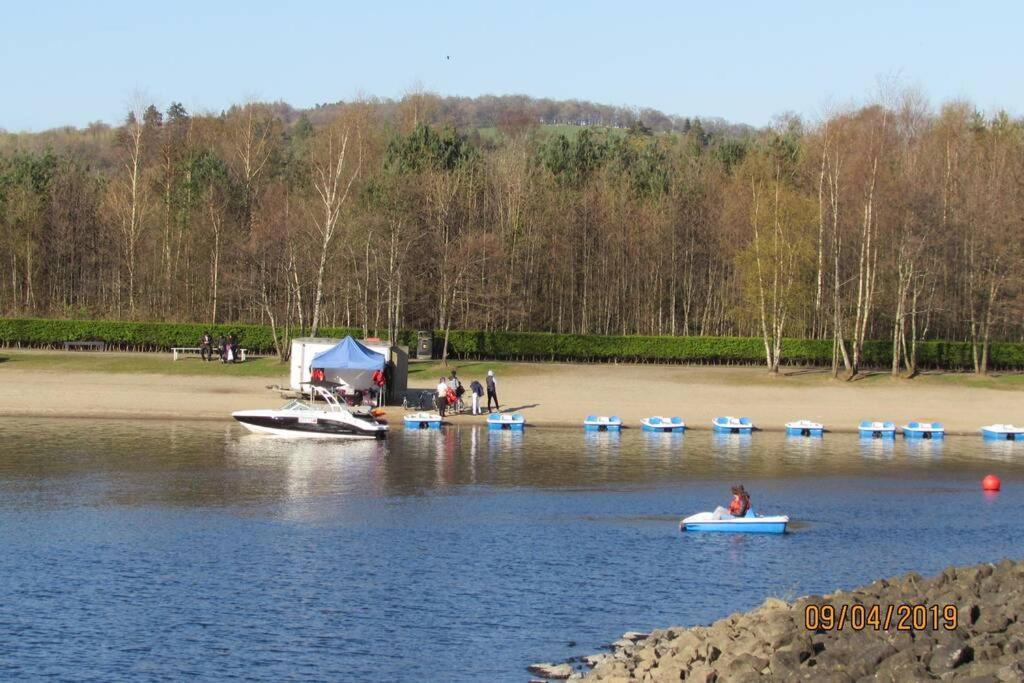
(424, 344)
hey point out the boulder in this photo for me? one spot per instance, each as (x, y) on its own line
(552, 671)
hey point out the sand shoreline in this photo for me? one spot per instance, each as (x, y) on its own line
(548, 395)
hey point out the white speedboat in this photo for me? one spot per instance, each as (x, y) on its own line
(302, 419)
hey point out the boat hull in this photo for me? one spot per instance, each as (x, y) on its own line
(512, 423)
(725, 429)
(993, 435)
(732, 425)
(923, 434)
(705, 521)
(306, 427)
(602, 427)
(663, 424)
(602, 424)
(422, 424)
(797, 430)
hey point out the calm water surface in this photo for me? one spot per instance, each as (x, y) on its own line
(144, 551)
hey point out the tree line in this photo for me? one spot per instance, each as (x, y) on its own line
(890, 221)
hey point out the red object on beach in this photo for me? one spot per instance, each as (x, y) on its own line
(991, 483)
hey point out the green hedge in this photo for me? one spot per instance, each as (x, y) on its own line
(510, 345)
(138, 336)
(711, 350)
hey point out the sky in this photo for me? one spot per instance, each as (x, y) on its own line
(70, 63)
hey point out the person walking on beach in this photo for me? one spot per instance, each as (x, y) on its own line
(206, 347)
(477, 390)
(442, 397)
(492, 391)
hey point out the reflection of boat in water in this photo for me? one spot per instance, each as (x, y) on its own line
(924, 448)
(731, 445)
(750, 524)
(309, 420)
(877, 448)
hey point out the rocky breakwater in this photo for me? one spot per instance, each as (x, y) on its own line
(965, 623)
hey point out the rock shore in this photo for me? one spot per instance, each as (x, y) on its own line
(773, 642)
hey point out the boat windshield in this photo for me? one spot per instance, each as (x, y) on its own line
(320, 399)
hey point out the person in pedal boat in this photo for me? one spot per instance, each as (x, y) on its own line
(740, 501)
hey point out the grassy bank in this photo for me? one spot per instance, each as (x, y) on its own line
(516, 346)
(137, 363)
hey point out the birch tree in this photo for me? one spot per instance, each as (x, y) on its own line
(336, 156)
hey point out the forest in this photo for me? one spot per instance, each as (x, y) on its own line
(890, 221)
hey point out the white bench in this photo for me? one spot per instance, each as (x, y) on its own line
(182, 350)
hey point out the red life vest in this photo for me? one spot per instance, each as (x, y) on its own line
(739, 505)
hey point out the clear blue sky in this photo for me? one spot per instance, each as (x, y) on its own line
(75, 62)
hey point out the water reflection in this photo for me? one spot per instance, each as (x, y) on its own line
(927, 449)
(732, 446)
(804, 449)
(882, 449)
(1003, 450)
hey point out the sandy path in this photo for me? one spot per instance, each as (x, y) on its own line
(549, 394)
(101, 395)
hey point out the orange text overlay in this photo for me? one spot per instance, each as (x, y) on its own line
(899, 617)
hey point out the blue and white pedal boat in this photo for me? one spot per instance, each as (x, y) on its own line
(923, 430)
(751, 524)
(877, 430)
(1003, 433)
(805, 428)
(733, 425)
(422, 421)
(602, 423)
(657, 423)
(514, 422)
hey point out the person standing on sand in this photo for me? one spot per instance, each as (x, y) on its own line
(442, 397)
(492, 391)
(477, 390)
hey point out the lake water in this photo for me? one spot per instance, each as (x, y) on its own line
(145, 550)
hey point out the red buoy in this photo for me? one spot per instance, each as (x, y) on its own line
(991, 483)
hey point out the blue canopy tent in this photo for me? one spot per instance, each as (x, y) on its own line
(349, 354)
(349, 363)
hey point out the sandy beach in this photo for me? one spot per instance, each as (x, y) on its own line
(552, 394)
